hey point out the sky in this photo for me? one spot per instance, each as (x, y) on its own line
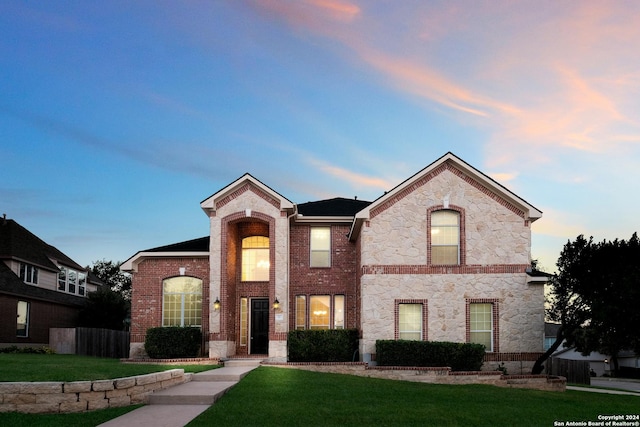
(118, 118)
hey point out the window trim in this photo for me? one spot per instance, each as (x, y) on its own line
(462, 247)
(495, 320)
(311, 250)
(425, 316)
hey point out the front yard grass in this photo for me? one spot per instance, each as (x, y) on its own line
(279, 397)
(69, 367)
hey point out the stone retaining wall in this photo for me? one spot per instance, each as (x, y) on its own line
(81, 396)
(435, 375)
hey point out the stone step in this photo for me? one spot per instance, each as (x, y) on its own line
(192, 393)
(232, 363)
(233, 373)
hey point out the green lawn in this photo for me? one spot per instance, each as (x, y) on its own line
(68, 367)
(276, 396)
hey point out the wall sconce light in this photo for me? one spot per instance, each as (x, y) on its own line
(276, 304)
(216, 304)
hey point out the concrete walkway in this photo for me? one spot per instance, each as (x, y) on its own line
(631, 386)
(178, 405)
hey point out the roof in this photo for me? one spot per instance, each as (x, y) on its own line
(16, 242)
(200, 244)
(11, 284)
(338, 206)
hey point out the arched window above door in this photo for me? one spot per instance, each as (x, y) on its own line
(255, 259)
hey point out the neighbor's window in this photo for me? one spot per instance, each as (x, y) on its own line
(182, 301)
(410, 322)
(72, 281)
(22, 324)
(481, 324)
(320, 247)
(29, 273)
(445, 237)
(255, 259)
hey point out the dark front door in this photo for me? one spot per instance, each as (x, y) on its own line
(259, 326)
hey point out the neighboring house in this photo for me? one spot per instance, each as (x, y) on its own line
(443, 256)
(40, 287)
(550, 334)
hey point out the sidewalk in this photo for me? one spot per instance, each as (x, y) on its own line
(178, 405)
(631, 386)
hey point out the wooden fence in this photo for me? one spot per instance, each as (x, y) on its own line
(575, 371)
(102, 343)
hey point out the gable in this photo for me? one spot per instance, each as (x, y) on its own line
(448, 163)
(241, 186)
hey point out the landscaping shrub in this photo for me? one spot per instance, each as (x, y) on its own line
(172, 342)
(27, 350)
(327, 345)
(457, 356)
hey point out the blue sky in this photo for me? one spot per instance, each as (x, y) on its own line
(118, 118)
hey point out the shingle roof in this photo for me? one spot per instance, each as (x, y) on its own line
(196, 245)
(16, 242)
(11, 284)
(338, 206)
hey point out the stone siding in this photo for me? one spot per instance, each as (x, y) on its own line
(82, 396)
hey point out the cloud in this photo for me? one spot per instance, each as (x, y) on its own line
(352, 178)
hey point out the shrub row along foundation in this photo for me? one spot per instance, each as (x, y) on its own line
(81, 396)
(435, 375)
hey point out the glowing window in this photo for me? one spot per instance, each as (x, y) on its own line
(182, 301)
(445, 237)
(255, 259)
(410, 322)
(319, 307)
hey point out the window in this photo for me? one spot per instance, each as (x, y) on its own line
(481, 324)
(244, 321)
(255, 259)
(22, 326)
(319, 312)
(29, 273)
(320, 247)
(301, 312)
(338, 312)
(410, 322)
(72, 281)
(324, 312)
(445, 237)
(182, 301)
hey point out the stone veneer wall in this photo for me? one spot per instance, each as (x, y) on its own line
(435, 375)
(82, 396)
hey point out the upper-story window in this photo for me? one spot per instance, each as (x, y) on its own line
(320, 247)
(72, 281)
(445, 237)
(255, 259)
(29, 273)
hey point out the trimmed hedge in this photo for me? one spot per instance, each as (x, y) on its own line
(172, 342)
(326, 345)
(457, 356)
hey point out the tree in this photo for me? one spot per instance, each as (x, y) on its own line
(106, 309)
(595, 295)
(109, 272)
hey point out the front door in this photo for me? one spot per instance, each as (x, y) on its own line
(259, 326)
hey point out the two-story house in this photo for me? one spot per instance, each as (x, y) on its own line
(443, 256)
(40, 287)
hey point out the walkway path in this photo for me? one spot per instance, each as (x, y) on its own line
(178, 405)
